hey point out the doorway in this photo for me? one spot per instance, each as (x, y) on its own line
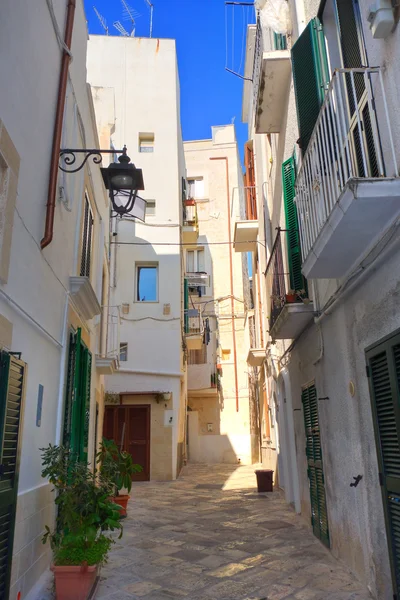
(129, 427)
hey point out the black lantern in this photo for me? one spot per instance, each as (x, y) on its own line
(123, 180)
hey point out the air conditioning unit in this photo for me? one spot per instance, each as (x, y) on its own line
(198, 279)
(381, 19)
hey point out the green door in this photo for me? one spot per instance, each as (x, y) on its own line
(383, 369)
(77, 405)
(319, 514)
(12, 375)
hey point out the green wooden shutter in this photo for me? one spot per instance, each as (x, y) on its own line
(85, 404)
(384, 372)
(310, 77)
(319, 514)
(77, 404)
(297, 281)
(12, 373)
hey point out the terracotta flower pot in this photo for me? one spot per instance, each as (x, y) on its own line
(190, 202)
(74, 583)
(123, 502)
(290, 298)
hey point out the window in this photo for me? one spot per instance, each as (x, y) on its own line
(198, 357)
(123, 351)
(195, 261)
(150, 208)
(195, 264)
(146, 283)
(226, 354)
(196, 188)
(280, 41)
(87, 239)
(146, 142)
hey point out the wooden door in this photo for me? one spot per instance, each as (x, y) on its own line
(129, 427)
(138, 440)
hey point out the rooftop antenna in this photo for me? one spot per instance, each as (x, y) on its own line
(151, 7)
(129, 15)
(119, 27)
(102, 20)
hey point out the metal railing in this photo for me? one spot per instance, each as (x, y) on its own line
(189, 213)
(277, 280)
(258, 54)
(193, 322)
(347, 142)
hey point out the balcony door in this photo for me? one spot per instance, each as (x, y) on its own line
(354, 56)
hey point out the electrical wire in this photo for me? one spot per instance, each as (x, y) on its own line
(152, 319)
(184, 244)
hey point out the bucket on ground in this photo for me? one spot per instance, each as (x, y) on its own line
(264, 480)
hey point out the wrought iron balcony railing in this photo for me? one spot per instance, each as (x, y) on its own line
(351, 140)
(278, 283)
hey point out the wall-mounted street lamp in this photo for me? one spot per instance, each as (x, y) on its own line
(122, 179)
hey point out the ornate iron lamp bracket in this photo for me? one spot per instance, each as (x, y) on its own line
(68, 158)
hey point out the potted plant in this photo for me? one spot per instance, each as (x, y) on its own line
(118, 467)
(81, 539)
(291, 296)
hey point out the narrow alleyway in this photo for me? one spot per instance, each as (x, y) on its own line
(209, 536)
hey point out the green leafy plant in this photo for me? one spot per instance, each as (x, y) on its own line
(116, 466)
(85, 515)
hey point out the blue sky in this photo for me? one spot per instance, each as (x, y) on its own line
(206, 32)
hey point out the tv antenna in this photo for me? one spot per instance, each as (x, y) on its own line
(102, 20)
(119, 27)
(129, 14)
(151, 7)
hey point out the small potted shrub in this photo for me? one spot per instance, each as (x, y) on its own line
(81, 539)
(118, 467)
(291, 297)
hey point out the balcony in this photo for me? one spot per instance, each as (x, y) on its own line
(246, 230)
(271, 80)
(348, 187)
(291, 310)
(256, 355)
(194, 330)
(202, 380)
(197, 280)
(190, 227)
(107, 360)
(84, 297)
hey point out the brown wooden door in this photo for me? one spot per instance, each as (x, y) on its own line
(129, 427)
(138, 439)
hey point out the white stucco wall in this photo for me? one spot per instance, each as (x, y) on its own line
(144, 78)
(35, 297)
(334, 354)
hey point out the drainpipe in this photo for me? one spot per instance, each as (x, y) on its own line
(225, 158)
(55, 151)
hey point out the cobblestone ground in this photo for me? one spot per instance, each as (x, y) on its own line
(209, 536)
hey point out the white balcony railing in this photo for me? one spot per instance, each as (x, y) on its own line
(350, 140)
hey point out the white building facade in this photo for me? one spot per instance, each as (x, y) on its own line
(325, 149)
(136, 95)
(54, 284)
(222, 417)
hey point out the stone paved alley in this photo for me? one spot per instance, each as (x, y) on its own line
(209, 535)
